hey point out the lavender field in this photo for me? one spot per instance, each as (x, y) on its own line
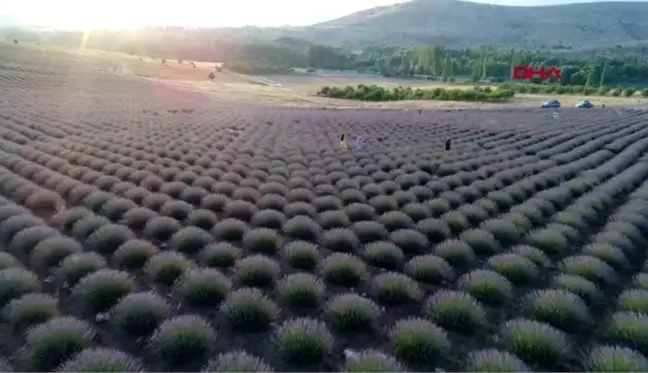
(148, 228)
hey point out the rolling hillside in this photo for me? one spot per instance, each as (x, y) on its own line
(461, 23)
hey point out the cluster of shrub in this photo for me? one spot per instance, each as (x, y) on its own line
(376, 93)
(574, 89)
(218, 234)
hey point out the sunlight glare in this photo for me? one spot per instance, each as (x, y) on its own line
(84, 40)
(87, 15)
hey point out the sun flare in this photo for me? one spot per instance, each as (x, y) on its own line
(85, 15)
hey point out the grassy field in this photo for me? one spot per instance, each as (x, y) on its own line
(300, 91)
(147, 225)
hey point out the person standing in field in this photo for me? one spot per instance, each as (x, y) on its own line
(359, 143)
(343, 143)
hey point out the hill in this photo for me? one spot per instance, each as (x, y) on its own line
(460, 23)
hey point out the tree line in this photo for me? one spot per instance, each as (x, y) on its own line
(502, 92)
(488, 65)
(479, 64)
(483, 65)
(376, 93)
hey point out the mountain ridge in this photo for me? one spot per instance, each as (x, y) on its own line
(430, 22)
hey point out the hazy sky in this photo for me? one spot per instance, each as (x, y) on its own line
(90, 14)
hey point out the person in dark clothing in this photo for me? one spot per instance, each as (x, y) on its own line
(448, 144)
(343, 142)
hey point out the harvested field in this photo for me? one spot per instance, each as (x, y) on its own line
(146, 227)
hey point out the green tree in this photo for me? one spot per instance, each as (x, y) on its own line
(446, 72)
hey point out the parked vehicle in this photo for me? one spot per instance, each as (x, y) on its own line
(551, 104)
(584, 104)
